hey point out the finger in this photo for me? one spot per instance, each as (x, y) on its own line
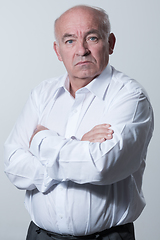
(102, 126)
(98, 134)
(110, 132)
(101, 130)
(100, 137)
(100, 140)
(109, 136)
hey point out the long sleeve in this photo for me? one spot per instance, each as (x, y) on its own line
(23, 169)
(59, 171)
(130, 116)
(52, 158)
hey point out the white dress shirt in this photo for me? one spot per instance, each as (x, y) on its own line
(78, 187)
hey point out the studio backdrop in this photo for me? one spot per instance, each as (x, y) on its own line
(27, 58)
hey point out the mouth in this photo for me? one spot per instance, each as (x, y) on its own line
(83, 63)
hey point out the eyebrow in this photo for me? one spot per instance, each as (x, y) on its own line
(91, 31)
(68, 35)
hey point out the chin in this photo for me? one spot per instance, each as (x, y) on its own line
(88, 74)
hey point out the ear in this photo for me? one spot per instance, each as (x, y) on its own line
(56, 49)
(112, 41)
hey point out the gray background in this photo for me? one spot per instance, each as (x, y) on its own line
(27, 58)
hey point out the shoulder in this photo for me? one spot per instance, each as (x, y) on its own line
(47, 85)
(126, 84)
(47, 88)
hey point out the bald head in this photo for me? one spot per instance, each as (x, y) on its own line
(98, 14)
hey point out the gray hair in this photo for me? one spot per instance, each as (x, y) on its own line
(100, 14)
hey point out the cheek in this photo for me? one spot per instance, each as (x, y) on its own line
(101, 56)
(65, 55)
(99, 51)
(67, 59)
(105, 54)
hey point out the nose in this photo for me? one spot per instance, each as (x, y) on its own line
(82, 48)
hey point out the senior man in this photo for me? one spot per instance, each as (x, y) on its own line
(79, 146)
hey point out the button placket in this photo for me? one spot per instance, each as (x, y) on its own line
(73, 118)
(61, 207)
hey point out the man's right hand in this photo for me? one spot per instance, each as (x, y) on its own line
(99, 133)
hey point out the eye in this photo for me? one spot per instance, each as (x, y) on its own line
(92, 39)
(70, 41)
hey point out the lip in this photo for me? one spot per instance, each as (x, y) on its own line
(83, 63)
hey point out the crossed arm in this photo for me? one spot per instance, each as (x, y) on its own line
(52, 158)
(99, 133)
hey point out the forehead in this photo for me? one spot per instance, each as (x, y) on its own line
(77, 21)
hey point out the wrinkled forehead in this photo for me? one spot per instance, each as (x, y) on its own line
(77, 20)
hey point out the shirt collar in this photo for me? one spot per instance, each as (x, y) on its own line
(97, 86)
(100, 84)
(61, 85)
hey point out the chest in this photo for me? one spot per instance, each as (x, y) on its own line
(73, 117)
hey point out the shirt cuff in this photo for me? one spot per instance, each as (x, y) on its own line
(38, 139)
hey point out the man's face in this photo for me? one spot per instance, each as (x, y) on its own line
(81, 45)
